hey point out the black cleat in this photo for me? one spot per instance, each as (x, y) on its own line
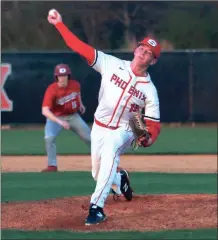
(96, 215)
(125, 185)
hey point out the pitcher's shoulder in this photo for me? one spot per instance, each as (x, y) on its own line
(151, 83)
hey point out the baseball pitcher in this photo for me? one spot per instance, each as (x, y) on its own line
(126, 89)
(61, 103)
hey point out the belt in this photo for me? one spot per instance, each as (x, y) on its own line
(104, 125)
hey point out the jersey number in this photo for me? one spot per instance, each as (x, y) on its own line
(134, 107)
(74, 105)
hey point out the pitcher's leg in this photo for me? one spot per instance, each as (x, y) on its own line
(108, 167)
(116, 184)
(104, 181)
(96, 145)
(52, 129)
(80, 127)
(114, 144)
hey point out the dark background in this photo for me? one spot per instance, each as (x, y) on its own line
(187, 84)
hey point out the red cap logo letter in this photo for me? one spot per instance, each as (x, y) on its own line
(6, 103)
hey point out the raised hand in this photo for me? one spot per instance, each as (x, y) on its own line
(54, 17)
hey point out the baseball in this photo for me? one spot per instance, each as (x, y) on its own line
(52, 13)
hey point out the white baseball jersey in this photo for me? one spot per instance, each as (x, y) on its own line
(122, 93)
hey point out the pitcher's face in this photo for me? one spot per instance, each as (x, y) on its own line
(144, 56)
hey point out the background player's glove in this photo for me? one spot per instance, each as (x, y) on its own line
(54, 17)
(139, 130)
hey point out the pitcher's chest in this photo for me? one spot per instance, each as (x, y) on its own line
(122, 86)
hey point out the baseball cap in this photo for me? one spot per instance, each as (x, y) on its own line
(153, 44)
(62, 70)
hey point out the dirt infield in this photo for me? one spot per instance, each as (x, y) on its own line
(140, 163)
(143, 213)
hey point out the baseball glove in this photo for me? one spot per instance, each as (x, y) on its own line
(139, 130)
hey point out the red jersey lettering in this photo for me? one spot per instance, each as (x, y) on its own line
(62, 101)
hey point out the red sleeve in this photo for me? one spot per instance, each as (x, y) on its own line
(153, 129)
(75, 44)
(48, 98)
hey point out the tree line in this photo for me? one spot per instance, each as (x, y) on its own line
(110, 25)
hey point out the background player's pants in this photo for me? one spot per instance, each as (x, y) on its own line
(106, 147)
(52, 129)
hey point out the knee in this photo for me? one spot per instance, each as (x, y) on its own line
(87, 136)
(88, 140)
(49, 140)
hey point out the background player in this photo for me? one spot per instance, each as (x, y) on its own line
(62, 101)
(126, 87)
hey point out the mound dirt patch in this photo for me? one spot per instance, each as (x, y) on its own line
(144, 213)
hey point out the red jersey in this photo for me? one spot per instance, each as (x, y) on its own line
(62, 101)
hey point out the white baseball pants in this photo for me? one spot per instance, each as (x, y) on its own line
(106, 147)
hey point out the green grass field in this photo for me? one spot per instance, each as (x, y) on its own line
(184, 140)
(178, 234)
(38, 186)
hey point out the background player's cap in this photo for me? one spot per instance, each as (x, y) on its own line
(153, 45)
(62, 70)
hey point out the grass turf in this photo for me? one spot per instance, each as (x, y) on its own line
(183, 140)
(39, 186)
(175, 234)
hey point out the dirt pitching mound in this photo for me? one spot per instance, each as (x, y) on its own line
(147, 212)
